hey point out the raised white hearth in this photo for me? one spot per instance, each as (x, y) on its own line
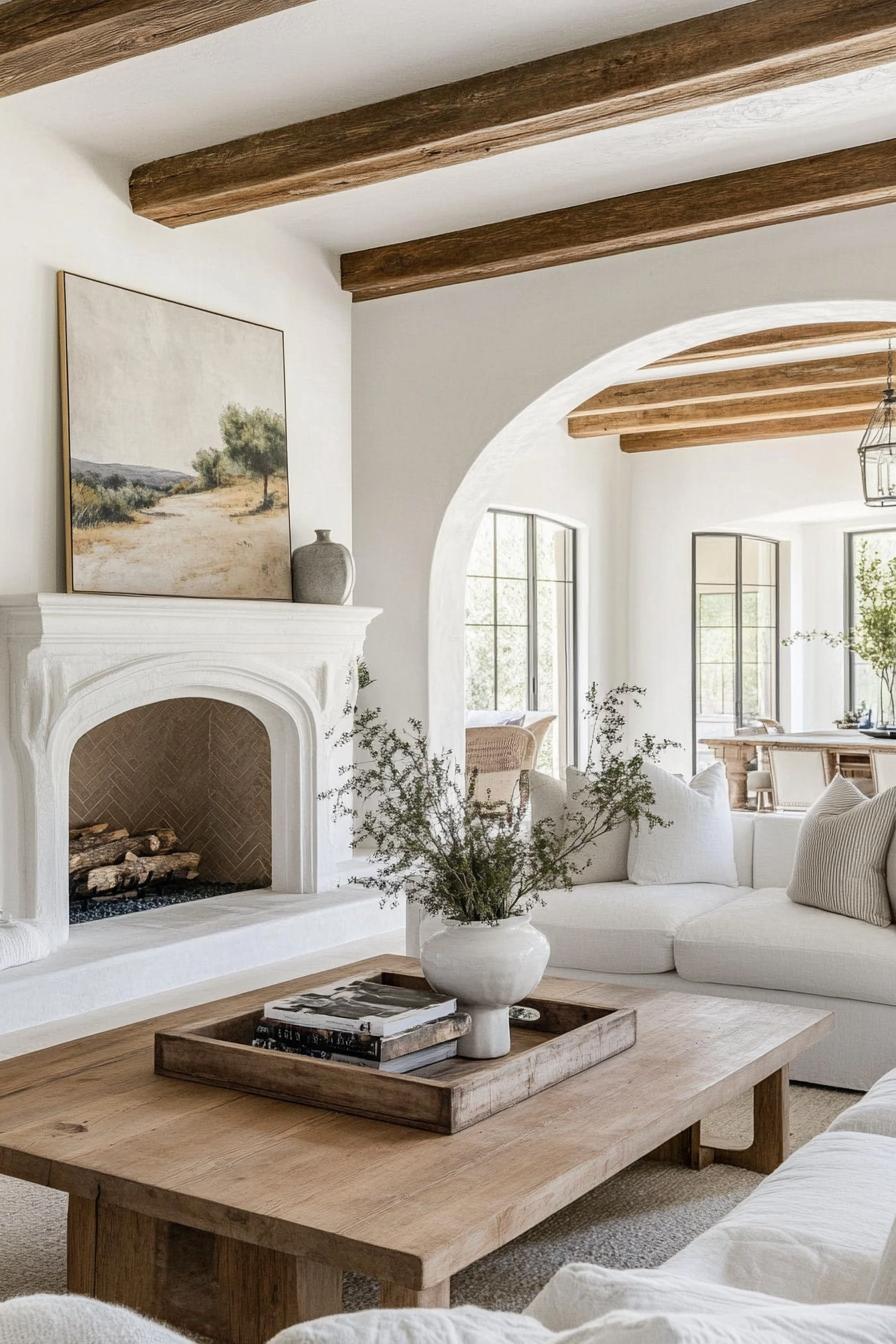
(116, 960)
(75, 662)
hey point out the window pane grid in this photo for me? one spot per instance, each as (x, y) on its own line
(863, 686)
(735, 646)
(520, 617)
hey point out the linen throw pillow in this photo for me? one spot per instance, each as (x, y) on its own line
(581, 1293)
(605, 858)
(698, 845)
(883, 1289)
(842, 852)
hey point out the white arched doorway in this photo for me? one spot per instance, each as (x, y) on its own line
(497, 456)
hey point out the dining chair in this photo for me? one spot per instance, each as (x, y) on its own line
(501, 758)
(799, 776)
(759, 779)
(883, 768)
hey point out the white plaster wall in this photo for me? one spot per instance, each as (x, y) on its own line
(759, 487)
(63, 212)
(451, 386)
(584, 483)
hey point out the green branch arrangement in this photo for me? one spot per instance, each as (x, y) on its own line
(472, 861)
(873, 638)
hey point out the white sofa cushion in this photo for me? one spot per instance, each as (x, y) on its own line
(606, 858)
(463, 1325)
(787, 1324)
(765, 941)
(743, 832)
(47, 1319)
(883, 1289)
(842, 852)
(875, 1113)
(813, 1231)
(580, 1293)
(698, 843)
(617, 926)
(774, 846)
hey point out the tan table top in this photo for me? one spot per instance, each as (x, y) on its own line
(834, 739)
(406, 1205)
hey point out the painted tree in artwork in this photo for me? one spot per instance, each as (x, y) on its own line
(209, 465)
(255, 442)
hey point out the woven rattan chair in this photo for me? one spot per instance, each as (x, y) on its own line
(501, 758)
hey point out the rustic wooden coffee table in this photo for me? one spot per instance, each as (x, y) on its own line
(233, 1215)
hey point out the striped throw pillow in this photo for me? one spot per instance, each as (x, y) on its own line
(842, 851)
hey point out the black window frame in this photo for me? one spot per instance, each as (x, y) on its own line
(572, 736)
(739, 538)
(849, 576)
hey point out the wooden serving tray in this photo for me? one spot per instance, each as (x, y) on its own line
(445, 1097)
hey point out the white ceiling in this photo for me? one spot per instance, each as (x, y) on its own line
(334, 54)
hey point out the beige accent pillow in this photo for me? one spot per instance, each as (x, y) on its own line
(606, 858)
(842, 853)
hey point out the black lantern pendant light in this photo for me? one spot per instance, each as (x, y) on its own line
(877, 451)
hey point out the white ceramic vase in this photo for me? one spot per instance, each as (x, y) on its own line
(487, 968)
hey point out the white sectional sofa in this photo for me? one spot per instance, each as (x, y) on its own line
(748, 941)
(808, 1258)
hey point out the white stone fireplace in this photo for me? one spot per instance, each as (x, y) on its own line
(76, 662)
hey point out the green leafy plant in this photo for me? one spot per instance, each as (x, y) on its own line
(255, 442)
(95, 502)
(873, 638)
(210, 465)
(472, 861)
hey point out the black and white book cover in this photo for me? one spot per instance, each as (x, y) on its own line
(362, 1006)
(418, 1059)
(361, 1043)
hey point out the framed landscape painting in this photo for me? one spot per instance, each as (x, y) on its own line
(175, 449)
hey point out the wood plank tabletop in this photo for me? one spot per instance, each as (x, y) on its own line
(396, 1203)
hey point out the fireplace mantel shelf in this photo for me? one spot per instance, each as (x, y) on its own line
(82, 613)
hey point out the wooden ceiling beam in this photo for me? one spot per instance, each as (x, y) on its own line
(741, 433)
(42, 41)
(825, 184)
(780, 339)
(694, 63)
(692, 415)
(764, 381)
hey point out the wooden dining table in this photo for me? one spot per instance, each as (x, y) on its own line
(846, 751)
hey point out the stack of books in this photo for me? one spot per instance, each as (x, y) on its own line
(367, 1023)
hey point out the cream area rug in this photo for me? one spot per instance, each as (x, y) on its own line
(639, 1218)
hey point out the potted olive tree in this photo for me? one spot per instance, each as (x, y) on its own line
(873, 637)
(479, 867)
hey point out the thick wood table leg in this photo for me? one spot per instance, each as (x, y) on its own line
(198, 1282)
(735, 757)
(771, 1134)
(81, 1246)
(684, 1148)
(397, 1295)
(771, 1128)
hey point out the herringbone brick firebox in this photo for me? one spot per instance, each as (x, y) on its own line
(200, 766)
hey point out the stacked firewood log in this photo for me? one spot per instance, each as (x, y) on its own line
(105, 864)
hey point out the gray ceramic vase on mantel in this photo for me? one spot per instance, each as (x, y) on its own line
(323, 571)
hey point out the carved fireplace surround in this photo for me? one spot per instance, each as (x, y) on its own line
(74, 662)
